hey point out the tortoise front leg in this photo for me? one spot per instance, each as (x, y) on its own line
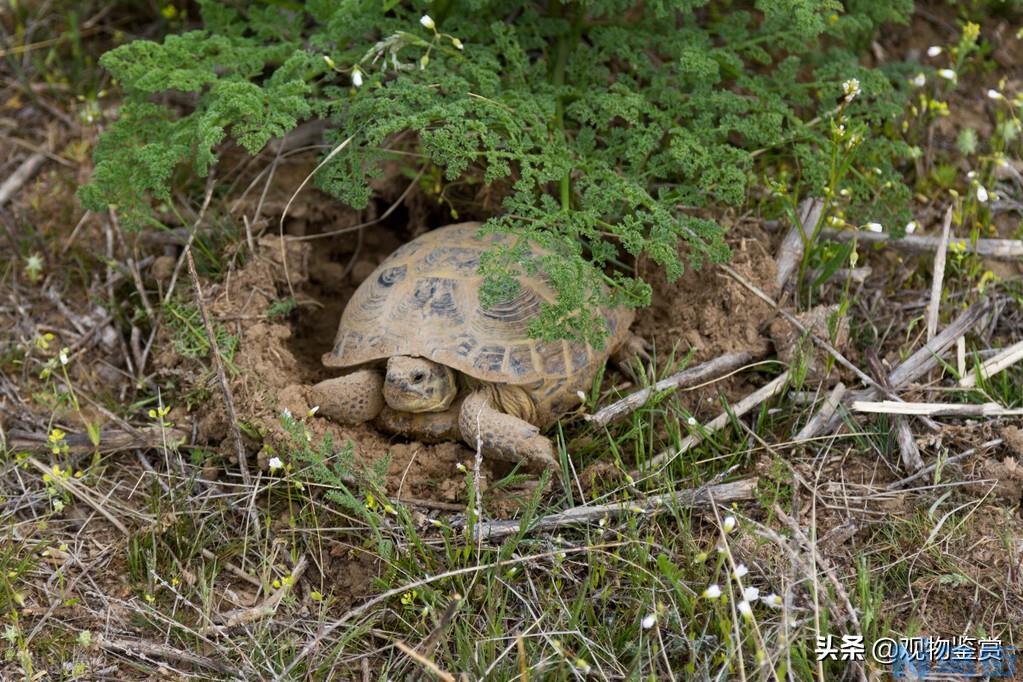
(426, 427)
(352, 399)
(502, 436)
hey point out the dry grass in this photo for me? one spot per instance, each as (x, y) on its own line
(135, 546)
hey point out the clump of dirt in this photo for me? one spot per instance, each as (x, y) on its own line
(278, 356)
(708, 312)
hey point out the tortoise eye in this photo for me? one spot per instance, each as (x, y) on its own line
(418, 376)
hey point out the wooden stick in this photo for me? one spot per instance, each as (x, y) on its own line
(777, 385)
(924, 360)
(218, 364)
(734, 491)
(20, 176)
(790, 252)
(996, 364)
(909, 453)
(146, 651)
(902, 483)
(934, 409)
(996, 249)
(110, 440)
(687, 378)
(823, 415)
(939, 276)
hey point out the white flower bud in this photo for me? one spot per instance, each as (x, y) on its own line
(982, 195)
(649, 621)
(911, 227)
(745, 609)
(934, 50)
(427, 21)
(874, 227)
(357, 77)
(728, 525)
(947, 74)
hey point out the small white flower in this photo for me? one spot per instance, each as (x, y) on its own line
(649, 621)
(427, 21)
(994, 94)
(582, 396)
(461, 467)
(947, 74)
(934, 50)
(312, 411)
(275, 463)
(286, 413)
(457, 43)
(851, 88)
(63, 356)
(745, 609)
(751, 593)
(712, 592)
(740, 571)
(728, 525)
(971, 175)
(874, 227)
(772, 600)
(691, 421)
(982, 195)
(919, 80)
(357, 77)
(911, 227)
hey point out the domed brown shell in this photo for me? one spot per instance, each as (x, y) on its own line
(423, 300)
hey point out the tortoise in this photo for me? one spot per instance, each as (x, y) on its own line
(428, 361)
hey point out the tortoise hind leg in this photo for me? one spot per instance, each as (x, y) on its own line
(352, 399)
(502, 436)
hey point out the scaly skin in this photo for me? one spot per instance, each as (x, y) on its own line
(502, 436)
(352, 399)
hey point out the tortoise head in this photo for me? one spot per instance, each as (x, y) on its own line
(419, 385)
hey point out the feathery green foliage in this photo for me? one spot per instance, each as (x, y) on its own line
(612, 129)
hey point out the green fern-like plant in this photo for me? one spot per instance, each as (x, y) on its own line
(614, 129)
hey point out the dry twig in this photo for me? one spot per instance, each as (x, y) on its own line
(20, 176)
(733, 491)
(934, 409)
(688, 378)
(939, 276)
(996, 249)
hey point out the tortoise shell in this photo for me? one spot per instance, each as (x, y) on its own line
(423, 300)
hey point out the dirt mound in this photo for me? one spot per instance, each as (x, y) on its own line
(278, 355)
(708, 312)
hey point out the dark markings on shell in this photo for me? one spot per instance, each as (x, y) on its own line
(464, 344)
(432, 297)
(490, 358)
(464, 261)
(392, 276)
(423, 300)
(520, 360)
